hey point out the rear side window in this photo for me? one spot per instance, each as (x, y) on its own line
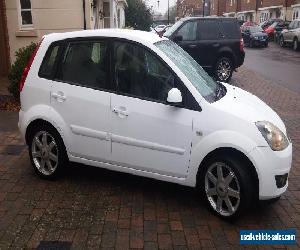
(50, 60)
(188, 31)
(230, 29)
(85, 63)
(208, 30)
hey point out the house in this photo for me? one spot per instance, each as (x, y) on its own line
(232, 7)
(26, 21)
(275, 9)
(248, 10)
(296, 10)
(192, 8)
(217, 7)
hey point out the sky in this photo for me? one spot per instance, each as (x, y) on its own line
(163, 5)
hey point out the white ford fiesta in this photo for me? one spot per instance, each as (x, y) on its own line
(130, 101)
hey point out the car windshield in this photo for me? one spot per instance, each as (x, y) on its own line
(170, 31)
(206, 86)
(255, 29)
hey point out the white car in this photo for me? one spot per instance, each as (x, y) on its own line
(133, 102)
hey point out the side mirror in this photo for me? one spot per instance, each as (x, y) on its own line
(174, 96)
(177, 39)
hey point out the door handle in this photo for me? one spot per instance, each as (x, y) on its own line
(59, 96)
(121, 112)
(215, 45)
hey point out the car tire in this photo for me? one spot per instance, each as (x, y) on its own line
(251, 44)
(281, 42)
(229, 192)
(47, 152)
(266, 44)
(223, 69)
(296, 44)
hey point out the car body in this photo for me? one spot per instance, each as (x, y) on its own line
(133, 102)
(254, 36)
(279, 28)
(291, 36)
(264, 25)
(214, 42)
(276, 27)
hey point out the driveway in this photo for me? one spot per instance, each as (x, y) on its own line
(95, 208)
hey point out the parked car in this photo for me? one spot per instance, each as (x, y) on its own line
(276, 26)
(215, 43)
(291, 36)
(249, 23)
(254, 36)
(279, 28)
(133, 102)
(269, 22)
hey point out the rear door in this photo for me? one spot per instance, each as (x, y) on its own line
(80, 95)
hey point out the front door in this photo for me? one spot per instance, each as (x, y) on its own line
(79, 94)
(147, 133)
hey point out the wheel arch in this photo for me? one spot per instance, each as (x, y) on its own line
(226, 52)
(235, 153)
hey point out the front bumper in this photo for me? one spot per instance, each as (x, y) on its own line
(269, 164)
(259, 43)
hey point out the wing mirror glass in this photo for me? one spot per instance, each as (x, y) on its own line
(174, 96)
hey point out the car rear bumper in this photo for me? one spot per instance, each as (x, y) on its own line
(239, 60)
(272, 168)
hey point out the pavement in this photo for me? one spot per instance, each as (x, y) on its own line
(92, 208)
(280, 65)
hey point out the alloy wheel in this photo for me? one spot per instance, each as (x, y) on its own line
(224, 70)
(222, 189)
(44, 152)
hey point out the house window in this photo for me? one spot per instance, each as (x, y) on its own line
(230, 2)
(25, 13)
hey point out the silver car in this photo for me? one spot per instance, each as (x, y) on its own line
(291, 36)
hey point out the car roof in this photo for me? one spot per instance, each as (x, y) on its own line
(208, 17)
(143, 37)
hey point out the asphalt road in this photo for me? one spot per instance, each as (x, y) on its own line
(279, 65)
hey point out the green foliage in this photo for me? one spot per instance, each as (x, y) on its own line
(22, 57)
(138, 15)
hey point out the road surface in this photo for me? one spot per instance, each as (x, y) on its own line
(279, 65)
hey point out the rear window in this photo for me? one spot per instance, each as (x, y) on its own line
(230, 29)
(48, 65)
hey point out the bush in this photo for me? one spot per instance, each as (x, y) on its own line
(22, 57)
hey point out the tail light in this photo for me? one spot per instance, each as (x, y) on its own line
(242, 44)
(27, 67)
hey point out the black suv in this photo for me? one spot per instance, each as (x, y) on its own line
(214, 42)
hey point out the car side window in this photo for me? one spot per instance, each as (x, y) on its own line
(188, 31)
(50, 60)
(208, 30)
(291, 26)
(230, 29)
(140, 74)
(85, 63)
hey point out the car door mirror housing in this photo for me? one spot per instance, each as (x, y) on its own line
(174, 96)
(177, 38)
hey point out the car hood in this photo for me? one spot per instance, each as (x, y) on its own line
(247, 106)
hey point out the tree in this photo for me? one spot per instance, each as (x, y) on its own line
(172, 13)
(138, 15)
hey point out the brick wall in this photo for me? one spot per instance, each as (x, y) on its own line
(217, 7)
(267, 3)
(248, 5)
(233, 7)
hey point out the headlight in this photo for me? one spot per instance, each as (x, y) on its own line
(273, 135)
(256, 37)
